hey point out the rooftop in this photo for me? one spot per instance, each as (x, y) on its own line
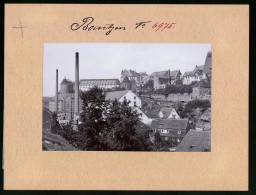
(195, 141)
(175, 124)
(99, 82)
(115, 95)
(166, 111)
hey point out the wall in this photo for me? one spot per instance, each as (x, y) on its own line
(159, 97)
(130, 96)
(185, 97)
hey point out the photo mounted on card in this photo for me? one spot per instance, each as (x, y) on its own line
(95, 99)
(140, 98)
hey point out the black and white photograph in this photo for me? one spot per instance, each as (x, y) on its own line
(151, 97)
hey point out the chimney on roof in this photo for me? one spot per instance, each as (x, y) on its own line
(56, 93)
(77, 84)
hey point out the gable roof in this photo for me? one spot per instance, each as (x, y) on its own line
(111, 96)
(195, 141)
(174, 74)
(199, 67)
(166, 111)
(132, 73)
(160, 74)
(126, 80)
(188, 73)
(206, 116)
(175, 124)
(65, 81)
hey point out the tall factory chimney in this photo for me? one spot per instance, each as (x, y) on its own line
(56, 93)
(77, 85)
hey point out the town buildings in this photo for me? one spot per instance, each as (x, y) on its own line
(128, 84)
(66, 101)
(192, 76)
(163, 78)
(174, 129)
(201, 89)
(133, 75)
(204, 121)
(127, 95)
(202, 72)
(143, 117)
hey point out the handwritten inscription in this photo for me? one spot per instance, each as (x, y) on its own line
(163, 26)
(87, 24)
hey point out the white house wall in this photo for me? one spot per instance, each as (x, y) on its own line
(130, 97)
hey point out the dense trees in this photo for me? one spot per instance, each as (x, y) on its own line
(107, 126)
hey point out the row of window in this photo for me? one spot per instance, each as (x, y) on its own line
(166, 131)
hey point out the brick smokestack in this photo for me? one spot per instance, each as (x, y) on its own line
(56, 93)
(77, 84)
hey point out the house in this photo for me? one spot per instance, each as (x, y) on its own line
(133, 75)
(127, 95)
(168, 113)
(174, 129)
(66, 101)
(174, 76)
(143, 117)
(128, 84)
(204, 121)
(196, 141)
(192, 76)
(202, 88)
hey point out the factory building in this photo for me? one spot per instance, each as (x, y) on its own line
(86, 84)
(66, 102)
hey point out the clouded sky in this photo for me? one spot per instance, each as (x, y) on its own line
(106, 60)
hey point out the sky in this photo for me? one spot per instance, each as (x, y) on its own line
(106, 60)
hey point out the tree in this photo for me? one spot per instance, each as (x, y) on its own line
(147, 88)
(124, 134)
(160, 144)
(108, 125)
(55, 126)
(93, 124)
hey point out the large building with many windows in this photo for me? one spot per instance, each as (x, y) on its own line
(86, 84)
(66, 101)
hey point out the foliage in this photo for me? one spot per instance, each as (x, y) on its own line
(147, 88)
(108, 126)
(55, 126)
(175, 89)
(93, 124)
(189, 110)
(160, 144)
(124, 133)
